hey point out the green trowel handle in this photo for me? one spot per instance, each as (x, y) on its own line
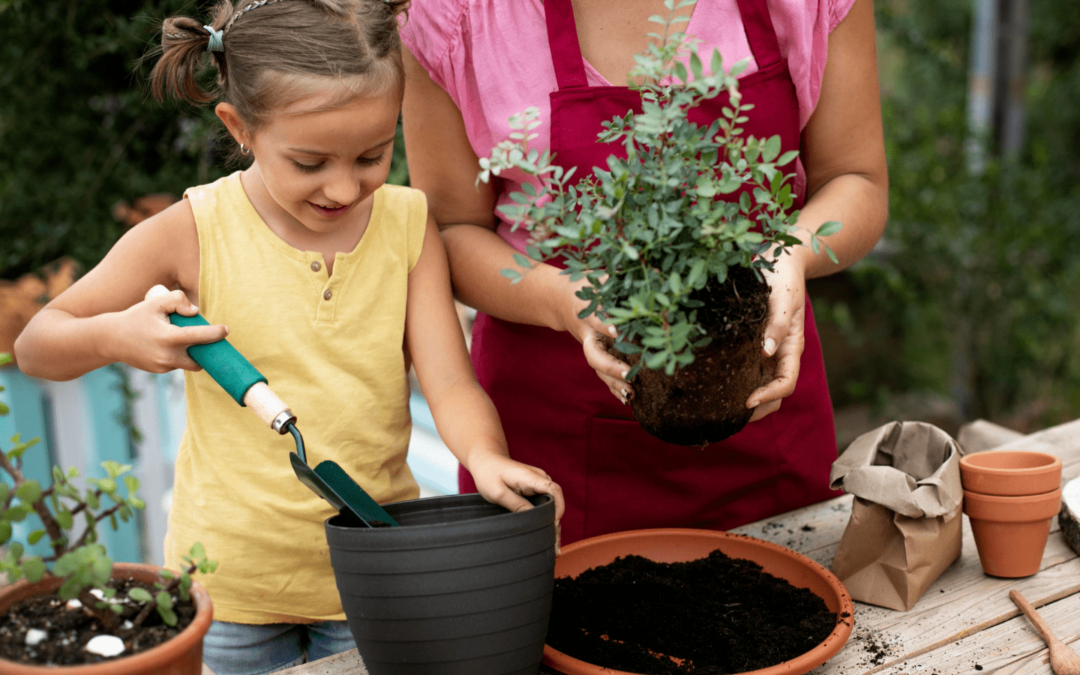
(221, 361)
(246, 385)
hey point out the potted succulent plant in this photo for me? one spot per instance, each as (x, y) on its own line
(673, 237)
(72, 606)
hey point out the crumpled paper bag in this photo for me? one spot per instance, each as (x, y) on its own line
(905, 526)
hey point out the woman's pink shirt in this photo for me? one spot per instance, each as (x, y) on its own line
(492, 58)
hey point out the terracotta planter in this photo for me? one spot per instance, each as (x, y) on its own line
(1010, 472)
(1011, 532)
(679, 545)
(181, 655)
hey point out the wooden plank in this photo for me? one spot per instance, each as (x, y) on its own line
(1012, 646)
(345, 663)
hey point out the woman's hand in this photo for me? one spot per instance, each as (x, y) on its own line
(145, 338)
(784, 333)
(507, 482)
(596, 338)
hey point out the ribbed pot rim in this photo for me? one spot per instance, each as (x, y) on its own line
(163, 652)
(433, 535)
(1018, 509)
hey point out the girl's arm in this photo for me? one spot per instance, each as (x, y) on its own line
(847, 181)
(103, 317)
(444, 166)
(464, 415)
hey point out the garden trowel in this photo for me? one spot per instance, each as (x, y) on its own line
(248, 387)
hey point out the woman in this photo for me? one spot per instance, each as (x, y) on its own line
(470, 65)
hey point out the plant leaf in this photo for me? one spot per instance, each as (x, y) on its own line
(140, 595)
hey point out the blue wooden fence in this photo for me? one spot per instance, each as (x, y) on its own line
(79, 424)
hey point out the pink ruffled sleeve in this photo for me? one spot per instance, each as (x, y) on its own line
(808, 47)
(429, 31)
(838, 9)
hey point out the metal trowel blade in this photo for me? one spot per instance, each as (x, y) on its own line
(353, 496)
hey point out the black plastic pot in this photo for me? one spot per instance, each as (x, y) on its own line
(463, 587)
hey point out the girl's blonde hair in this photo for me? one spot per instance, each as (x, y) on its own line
(276, 52)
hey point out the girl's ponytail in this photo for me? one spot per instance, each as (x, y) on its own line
(184, 43)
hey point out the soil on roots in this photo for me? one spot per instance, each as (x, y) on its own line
(713, 616)
(705, 402)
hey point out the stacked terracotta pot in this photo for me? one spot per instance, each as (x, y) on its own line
(1011, 496)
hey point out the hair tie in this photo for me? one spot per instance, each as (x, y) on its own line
(217, 43)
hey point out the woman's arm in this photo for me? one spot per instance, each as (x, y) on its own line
(844, 148)
(464, 415)
(847, 181)
(442, 164)
(103, 318)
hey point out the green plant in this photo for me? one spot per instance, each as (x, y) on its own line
(652, 231)
(80, 560)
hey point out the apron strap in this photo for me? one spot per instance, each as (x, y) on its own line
(757, 22)
(563, 42)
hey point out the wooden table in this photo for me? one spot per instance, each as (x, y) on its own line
(965, 623)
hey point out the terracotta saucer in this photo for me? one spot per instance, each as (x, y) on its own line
(680, 545)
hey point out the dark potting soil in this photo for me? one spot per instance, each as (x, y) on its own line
(714, 616)
(705, 402)
(70, 629)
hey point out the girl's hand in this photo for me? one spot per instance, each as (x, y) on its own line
(784, 334)
(507, 482)
(146, 340)
(596, 337)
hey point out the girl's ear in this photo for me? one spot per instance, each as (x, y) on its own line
(228, 114)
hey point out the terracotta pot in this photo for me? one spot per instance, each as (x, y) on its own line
(1011, 532)
(181, 655)
(680, 545)
(1010, 472)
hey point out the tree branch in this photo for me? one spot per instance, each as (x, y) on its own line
(56, 534)
(101, 516)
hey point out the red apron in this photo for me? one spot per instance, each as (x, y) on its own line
(559, 416)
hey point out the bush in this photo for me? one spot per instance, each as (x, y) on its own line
(978, 277)
(78, 129)
(80, 132)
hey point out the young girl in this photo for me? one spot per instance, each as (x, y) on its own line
(326, 279)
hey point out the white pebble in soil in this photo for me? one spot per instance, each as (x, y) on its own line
(73, 604)
(105, 645)
(97, 593)
(127, 625)
(34, 637)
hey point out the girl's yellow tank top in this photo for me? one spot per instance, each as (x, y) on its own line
(332, 349)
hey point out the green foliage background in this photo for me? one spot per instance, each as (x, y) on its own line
(79, 130)
(973, 294)
(973, 290)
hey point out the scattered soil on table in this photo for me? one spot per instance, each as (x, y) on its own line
(713, 616)
(70, 629)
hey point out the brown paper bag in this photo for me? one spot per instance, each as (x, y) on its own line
(905, 526)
